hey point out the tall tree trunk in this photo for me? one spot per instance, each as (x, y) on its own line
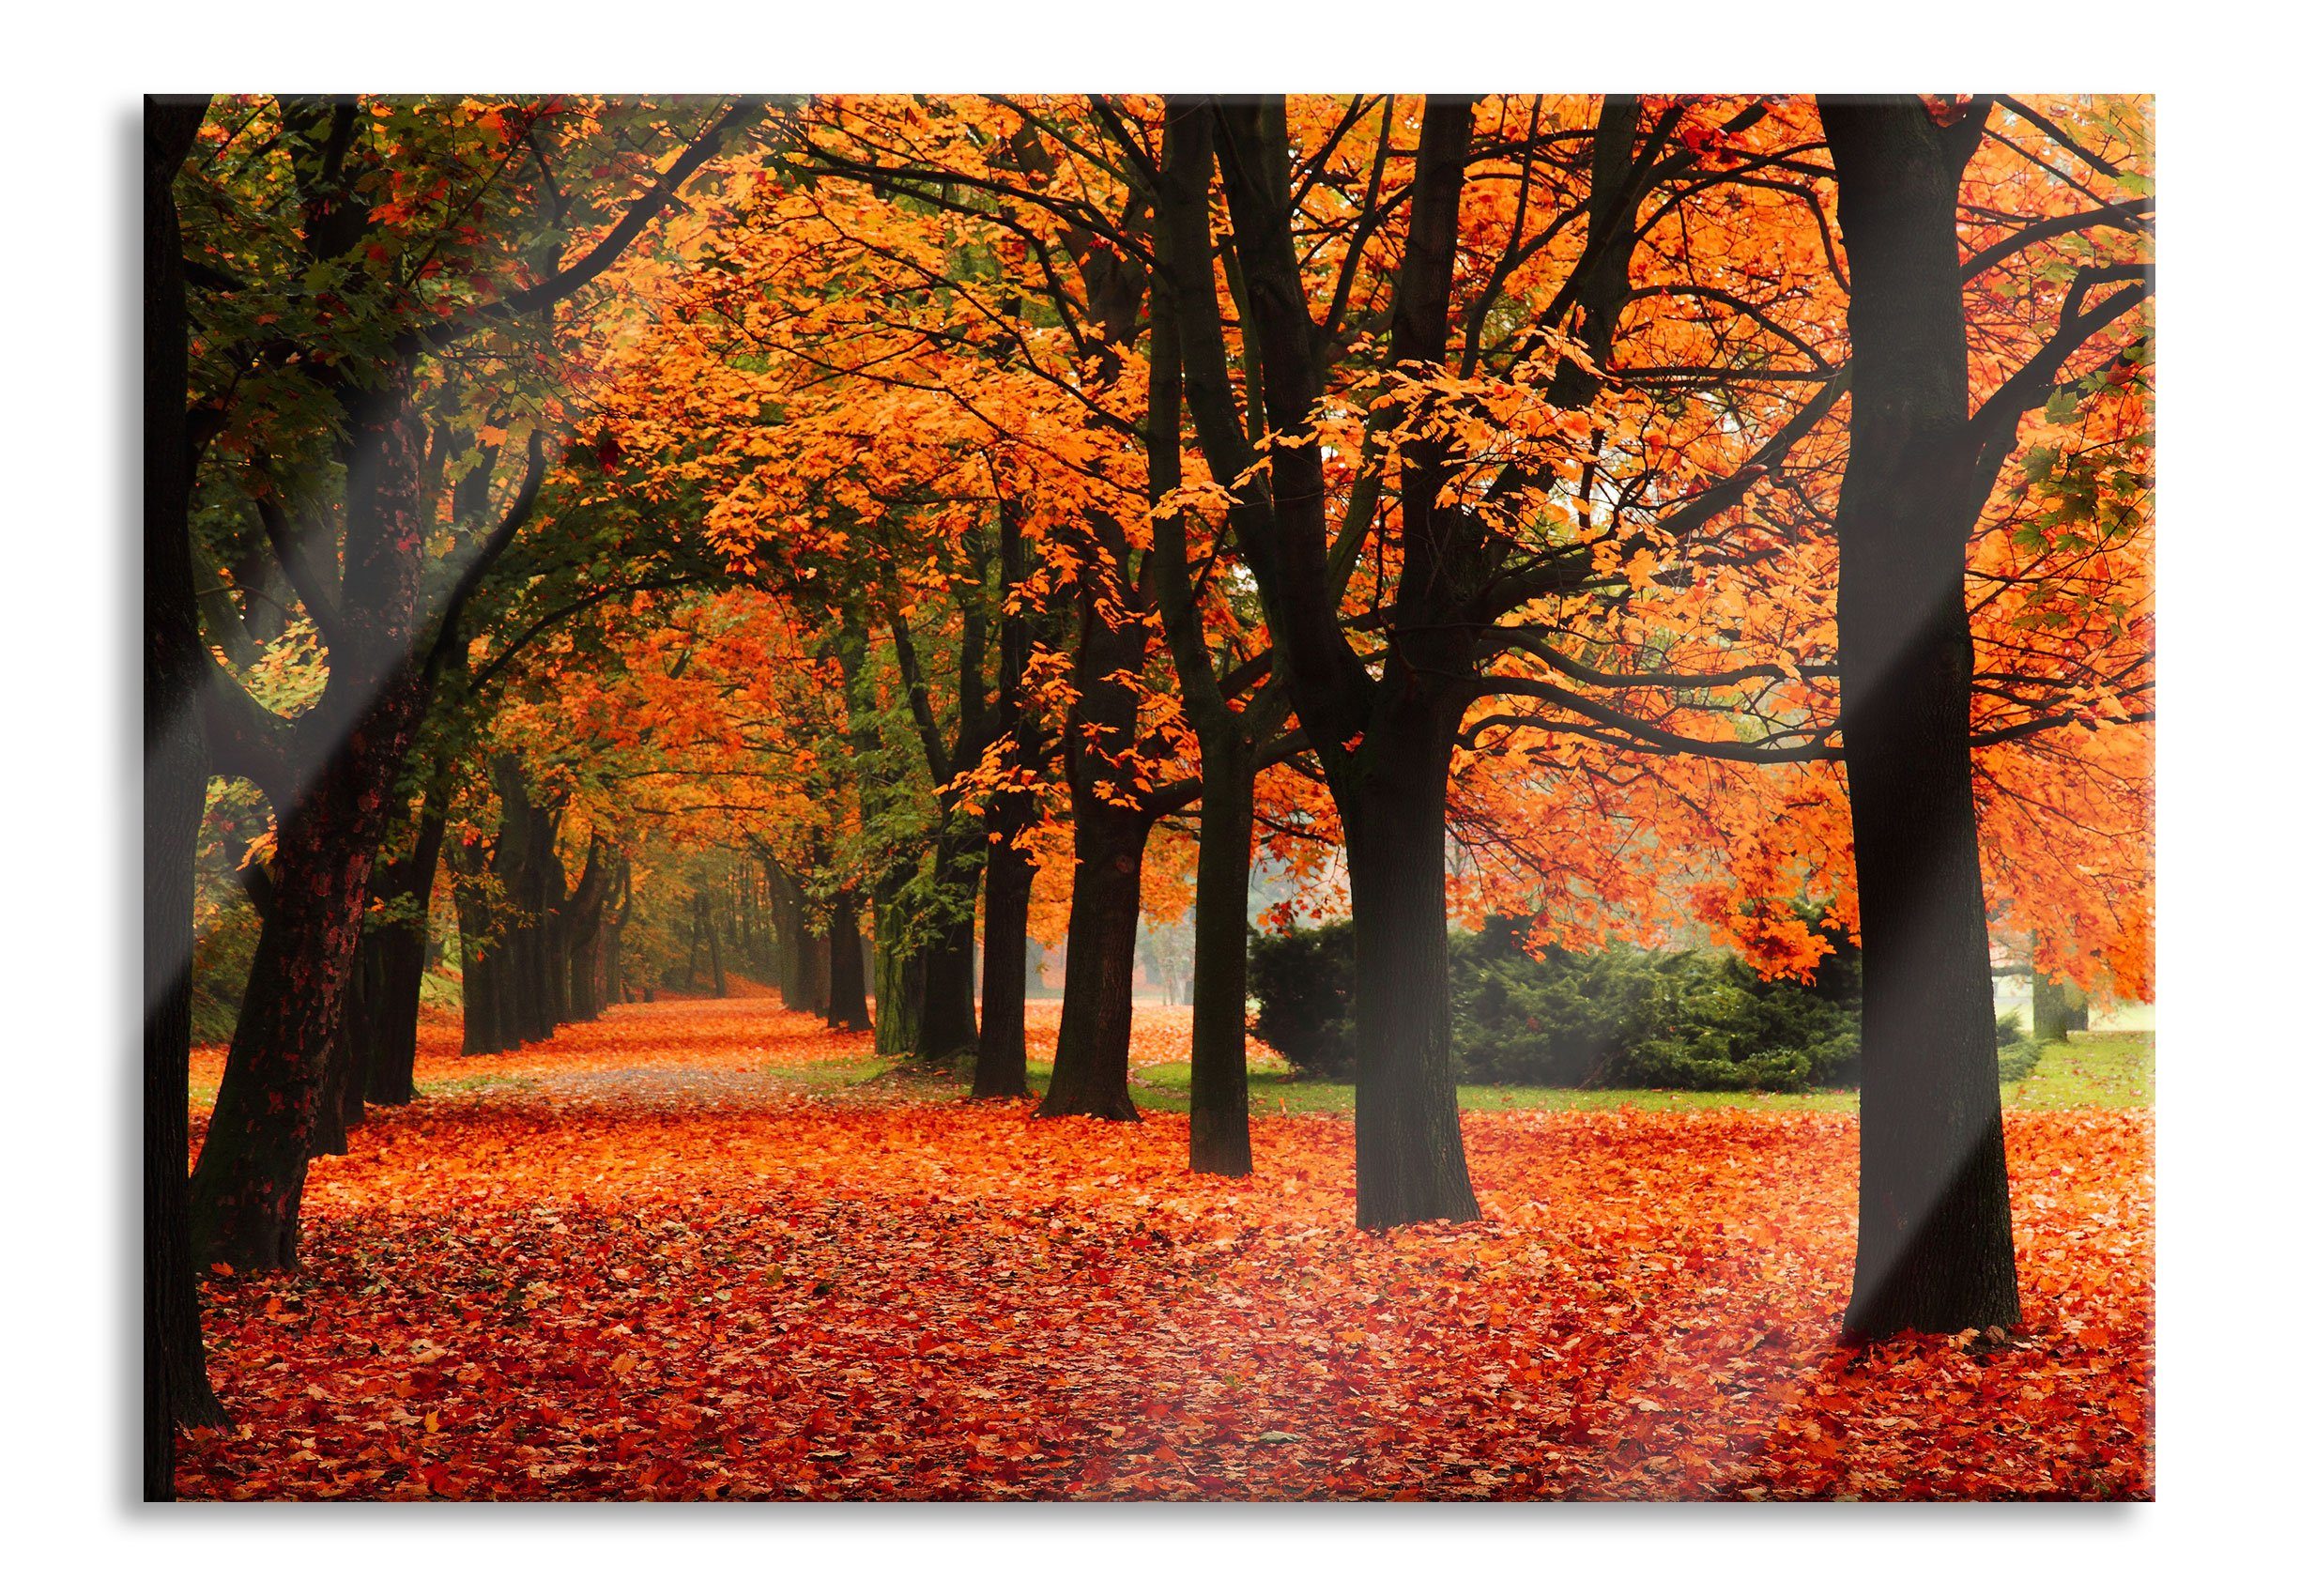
(1220, 1136)
(848, 1009)
(1098, 991)
(898, 1025)
(1001, 1067)
(484, 1030)
(394, 953)
(1002, 1064)
(586, 921)
(947, 961)
(1936, 1239)
(176, 1383)
(817, 970)
(247, 1192)
(1410, 1162)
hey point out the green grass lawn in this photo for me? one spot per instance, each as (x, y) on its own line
(2099, 1069)
(2114, 1069)
(2103, 1070)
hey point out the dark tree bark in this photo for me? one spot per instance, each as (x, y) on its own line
(944, 933)
(1097, 993)
(248, 1189)
(1220, 1130)
(800, 974)
(896, 977)
(176, 1383)
(587, 924)
(483, 1027)
(329, 771)
(611, 937)
(1410, 1162)
(1098, 990)
(848, 1009)
(388, 978)
(947, 961)
(1002, 1067)
(1385, 743)
(1002, 1064)
(815, 973)
(1936, 1239)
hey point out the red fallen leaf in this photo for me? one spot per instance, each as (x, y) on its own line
(1614, 1327)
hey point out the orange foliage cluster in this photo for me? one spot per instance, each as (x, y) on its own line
(667, 1262)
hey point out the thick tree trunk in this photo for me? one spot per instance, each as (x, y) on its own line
(1385, 743)
(1935, 1238)
(247, 1191)
(2053, 1014)
(1002, 1065)
(334, 1117)
(848, 1009)
(393, 956)
(582, 920)
(815, 973)
(483, 1028)
(1410, 1162)
(176, 1383)
(898, 980)
(1220, 1136)
(947, 961)
(346, 753)
(611, 952)
(1097, 993)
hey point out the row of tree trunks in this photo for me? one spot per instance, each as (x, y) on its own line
(534, 954)
(705, 959)
(328, 772)
(803, 955)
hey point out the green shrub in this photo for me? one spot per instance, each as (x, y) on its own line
(1299, 985)
(1622, 1017)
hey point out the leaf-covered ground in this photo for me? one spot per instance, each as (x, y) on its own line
(679, 1253)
